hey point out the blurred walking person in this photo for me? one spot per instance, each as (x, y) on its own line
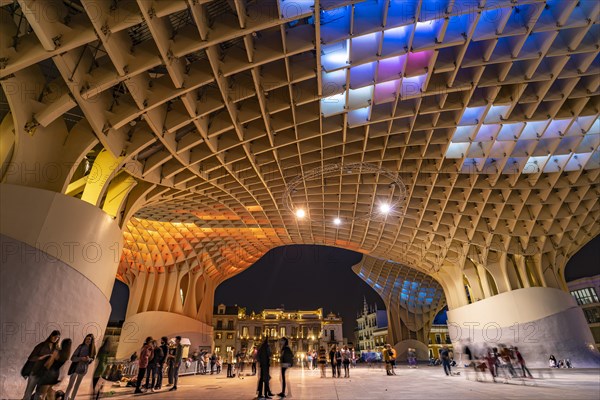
(286, 361)
(521, 361)
(322, 359)
(102, 357)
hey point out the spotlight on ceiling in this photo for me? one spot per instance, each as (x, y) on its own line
(337, 221)
(300, 213)
(384, 208)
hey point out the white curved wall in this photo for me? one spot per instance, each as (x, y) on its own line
(540, 321)
(160, 323)
(57, 269)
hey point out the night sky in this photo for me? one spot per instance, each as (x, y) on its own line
(309, 277)
(302, 277)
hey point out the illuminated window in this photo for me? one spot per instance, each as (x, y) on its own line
(585, 296)
(257, 331)
(219, 336)
(282, 331)
(181, 295)
(230, 336)
(244, 331)
(218, 349)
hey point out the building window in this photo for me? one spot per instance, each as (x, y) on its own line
(219, 336)
(332, 334)
(229, 348)
(592, 315)
(230, 336)
(219, 324)
(448, 341)
(294, 331)
(257, 331)
(585, 296)
(181, 295)
(438, 338)
(244, 331)
(230, 325)
(217, 349)
(282, 331)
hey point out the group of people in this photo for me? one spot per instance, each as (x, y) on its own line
(152, 360)
(554, 363)
(502, 361)
(43, 366)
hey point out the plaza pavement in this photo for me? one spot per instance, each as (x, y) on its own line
(422, 383)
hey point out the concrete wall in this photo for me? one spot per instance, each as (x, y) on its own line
(157, 324)
(540, 321)
(57, 270)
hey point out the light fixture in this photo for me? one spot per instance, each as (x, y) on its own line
(300, 213)
(337, 221)
(384, 208)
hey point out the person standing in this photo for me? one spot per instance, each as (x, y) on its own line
(392, 356)
(83, 356)
(48, 373)
(386, 358)
(332, 359)
(177, 361)
(521, 362)
(102, 358)
(445, 356)
(286, 361)
(170, 364)
(346, 355)
(315, 359)
(164, 352)
(150, 371)
(338, 361)
(264, 362)
(229, 360)
(322, 359)
(40, 353)
(213, 361)
(156, 365)
(145, 354)
(253, 359)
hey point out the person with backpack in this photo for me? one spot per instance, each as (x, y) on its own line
(445, 356)
(83, 356)
(287, 361)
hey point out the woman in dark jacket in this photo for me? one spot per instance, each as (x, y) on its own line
(82, 357)
(40, 353)
(49, 372)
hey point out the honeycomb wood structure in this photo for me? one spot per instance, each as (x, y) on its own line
(186, 119)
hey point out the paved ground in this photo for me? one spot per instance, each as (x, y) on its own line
(365, 383)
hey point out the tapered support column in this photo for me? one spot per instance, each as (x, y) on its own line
(540, 321)
(59, 257)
